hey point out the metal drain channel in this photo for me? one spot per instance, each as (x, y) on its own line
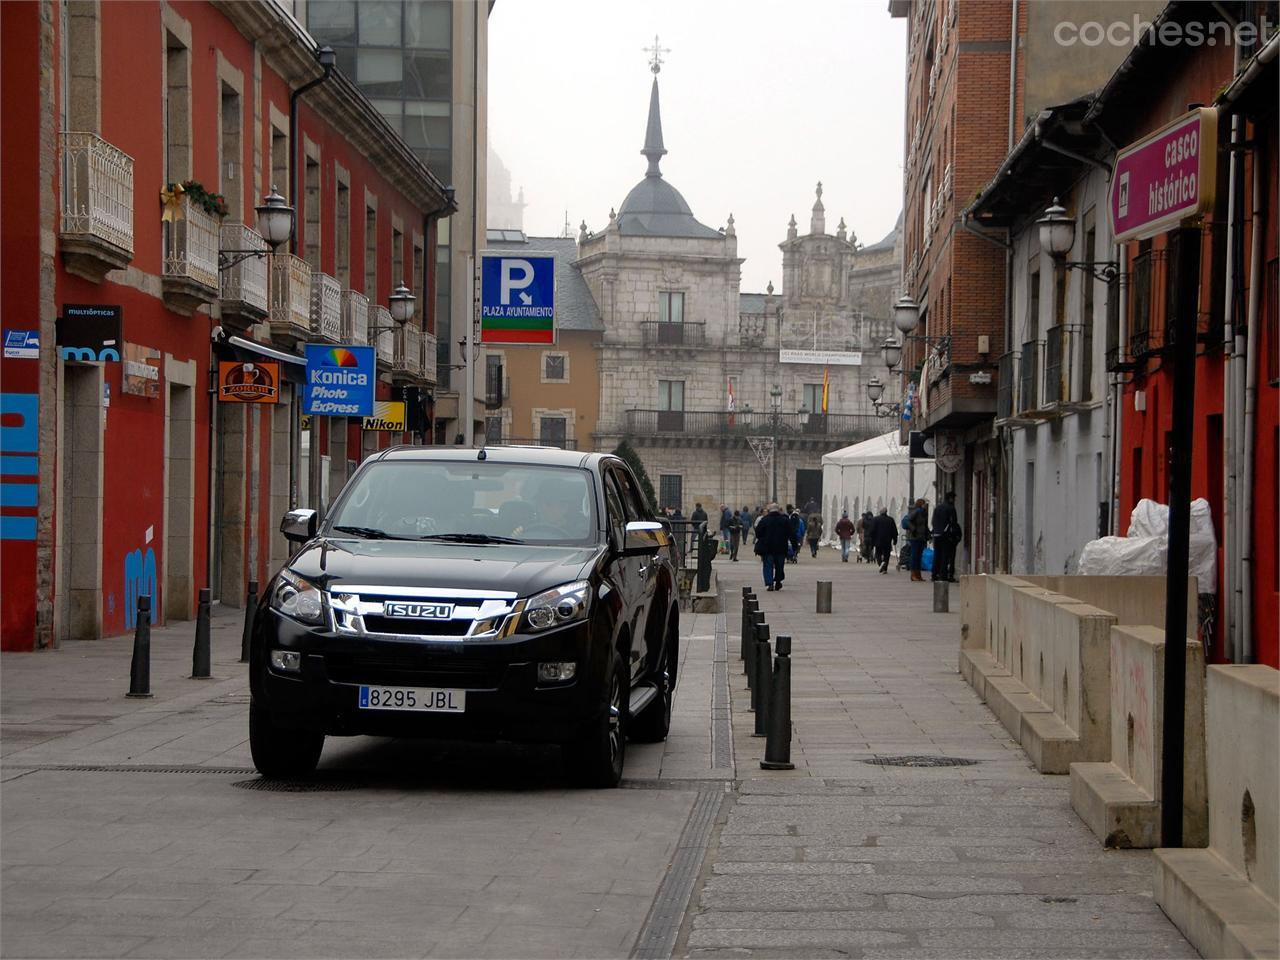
(125, 768)
(721, 723)
(920, 761)
(658, 936)
(296, 786)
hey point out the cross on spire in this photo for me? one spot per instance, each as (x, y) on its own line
(656, 52)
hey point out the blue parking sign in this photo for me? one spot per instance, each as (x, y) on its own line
(517, 298)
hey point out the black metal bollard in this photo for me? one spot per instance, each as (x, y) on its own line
(753, 669)
(706, 553)
(777, 748)
(140, 666)
(250, 611)
(200, 655)
(747, 596)
(764, 675)
(750, 617)
(749, 661)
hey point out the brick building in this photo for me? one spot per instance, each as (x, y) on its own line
(122, 476)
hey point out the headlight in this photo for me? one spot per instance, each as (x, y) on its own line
(299, 599)
(559, 605)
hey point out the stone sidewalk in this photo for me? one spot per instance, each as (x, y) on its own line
(849, 855)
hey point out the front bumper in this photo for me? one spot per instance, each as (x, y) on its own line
(504, 700)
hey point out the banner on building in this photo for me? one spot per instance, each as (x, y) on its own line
(90, 332)
(141, 371)
(340, 381)
(257, 382)
(844, 358)
(1166, 177)
(517, 298)
(387, 415)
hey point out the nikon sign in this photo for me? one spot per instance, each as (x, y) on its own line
(339, 382)
(387, 415)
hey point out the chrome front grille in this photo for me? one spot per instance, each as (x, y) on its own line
(360, 610)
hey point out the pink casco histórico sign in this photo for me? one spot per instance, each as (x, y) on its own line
(1166, 177)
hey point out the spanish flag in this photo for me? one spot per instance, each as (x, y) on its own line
(826, 387)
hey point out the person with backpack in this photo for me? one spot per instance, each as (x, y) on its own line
(946, 535)
(917, 523)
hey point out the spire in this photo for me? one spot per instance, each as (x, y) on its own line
(841, 230)
(818, 221)
(791, 227)
(653, 148)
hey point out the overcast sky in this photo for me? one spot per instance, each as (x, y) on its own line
(760, 100)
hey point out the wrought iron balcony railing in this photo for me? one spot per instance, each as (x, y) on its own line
(290, 297)
(381, 320)
(429, 348)
(655, 333)
(191, 245)
(1030, 374)
(355, 318)
(97, 194)
(1056, 365)
(407, 359)
(326, 307)
(565, 444)
(1005, 392)
(705, 423)
(244, 283)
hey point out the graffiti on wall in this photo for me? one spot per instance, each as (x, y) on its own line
(139, 581)
(19, 443)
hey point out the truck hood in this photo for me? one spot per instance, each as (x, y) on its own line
(519, 568)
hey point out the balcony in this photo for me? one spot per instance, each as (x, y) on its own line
(243, 297)
(564, 444)
(386, 344)
(655, 333)
(719, 427)
(290, 298)
(96, 233)
(429, 348)
(190, 278)
(1056, 368)
(407, 360)
(326, 307)
(497, 386)
(1035, 400)
(1004, 386)
(355, 318)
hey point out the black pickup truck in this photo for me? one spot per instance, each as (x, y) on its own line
(509, 593)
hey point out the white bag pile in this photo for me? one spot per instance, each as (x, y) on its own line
(1146, 548)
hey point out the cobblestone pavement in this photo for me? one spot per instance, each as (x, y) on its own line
(844, 857)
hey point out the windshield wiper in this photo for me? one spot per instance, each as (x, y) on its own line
(469, 538)
(370, 533)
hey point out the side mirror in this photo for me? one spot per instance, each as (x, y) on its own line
(644, 538)
(299, 525)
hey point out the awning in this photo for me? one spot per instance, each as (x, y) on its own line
(293, 367)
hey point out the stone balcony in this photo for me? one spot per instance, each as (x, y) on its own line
(96, 231)
(355, 318)
(326, 307)
(407, 360)
(290, 298)
(429, 348)
(721, 428)
(380, 320)
(189, 279)
(243, 295)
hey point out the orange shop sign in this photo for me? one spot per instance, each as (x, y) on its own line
(257, 382)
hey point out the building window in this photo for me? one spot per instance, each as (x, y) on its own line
(1087, 307)
(552, 431)
(493, 430)
(419, 283)
(813, 397)
(177, 109)
(80, 66)
(371, 254)
(230, 175)
(397, 258)
(311, 208)
(670, 491)
(342, 235)
(555, 368)
(494, 387)
(280, 162)
(1033, 297)
(671, 395)
(670, 307)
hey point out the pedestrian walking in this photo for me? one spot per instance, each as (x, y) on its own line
(735, 535)
(699, 516)
(813, 532)
(918, 535)
(773, 543)
(882, 536)
(868, 546)
(845, 530)
(797, 533)
(946, 534)
(725, 514)
(747, 522)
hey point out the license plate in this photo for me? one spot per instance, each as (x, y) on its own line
(422, 699)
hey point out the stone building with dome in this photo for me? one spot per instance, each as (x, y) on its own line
(708, 383)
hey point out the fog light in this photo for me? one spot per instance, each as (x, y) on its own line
(557, 671)
(288, 660)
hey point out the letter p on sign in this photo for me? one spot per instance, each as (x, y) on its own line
(516, 275)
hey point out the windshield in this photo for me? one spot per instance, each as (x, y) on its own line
(468, 502)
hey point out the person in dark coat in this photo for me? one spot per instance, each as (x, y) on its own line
(883, 535)
(946, 534)
(845, 530)
(918, 535)
(746, 522)
(773, 541)
(813, 532)
(797, 532)
(735, 535)
(699, 516)
(867, 545)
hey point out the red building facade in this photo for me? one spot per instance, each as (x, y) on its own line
(122, 474)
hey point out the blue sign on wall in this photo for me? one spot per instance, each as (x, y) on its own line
(517, 298)
(340, 381)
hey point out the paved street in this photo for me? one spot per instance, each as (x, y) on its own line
(137, 828)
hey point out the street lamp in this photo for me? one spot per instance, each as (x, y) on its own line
(875, 390)
(401, 302)
(275, 225)
(1058, 235)
(891, 353)
(775, 401)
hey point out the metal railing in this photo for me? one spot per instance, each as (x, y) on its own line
(1029, 380)
(408, 351)
(566, 444)
(1007, 379)
(753, 422)
(191, 245)
(326, 307)
(355, 318)
(290, 297)
(97, 190)
(656, 333)
(429, 347)
(380, 318)
(1056, 355)
(244, 282)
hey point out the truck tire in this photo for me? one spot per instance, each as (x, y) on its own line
(596, 759)
(278, 753)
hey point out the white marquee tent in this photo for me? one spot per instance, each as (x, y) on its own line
(870, 475)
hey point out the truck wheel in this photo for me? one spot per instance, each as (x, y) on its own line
(279, 753)
(596, 759)
(652, 723)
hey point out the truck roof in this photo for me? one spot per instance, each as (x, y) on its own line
(552, 456)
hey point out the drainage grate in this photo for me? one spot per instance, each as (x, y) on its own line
(125, 768)
(920, 761)
(721, 724)
(296, 786)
